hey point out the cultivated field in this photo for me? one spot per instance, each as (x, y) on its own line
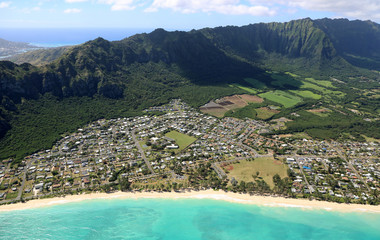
(219, 107)
(232, 102)
(251, 98)
(281, 97)
(323, 90)
(321, 82)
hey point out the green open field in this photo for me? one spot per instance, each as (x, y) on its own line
(247, 89)
(306, 94)
(264, 113)
(245, 112)
(281, 97)
(267, 168)
(313, 86)
(322, 89)
(323, 83)
(369, 139)
(181, 139)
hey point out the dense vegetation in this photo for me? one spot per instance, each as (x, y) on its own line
(39, 57)
(114, 79)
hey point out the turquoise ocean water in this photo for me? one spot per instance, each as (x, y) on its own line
(184, 219)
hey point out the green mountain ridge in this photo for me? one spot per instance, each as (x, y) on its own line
(39, 57)
(123, 77)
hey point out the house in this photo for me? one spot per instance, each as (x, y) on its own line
(172, 146)
(39, 186)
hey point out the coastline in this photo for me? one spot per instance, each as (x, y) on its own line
(204, 194)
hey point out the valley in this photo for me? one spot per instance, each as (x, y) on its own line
(181, 110)
(184, 149)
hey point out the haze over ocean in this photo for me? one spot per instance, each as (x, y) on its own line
(184, 219)
(48, 37)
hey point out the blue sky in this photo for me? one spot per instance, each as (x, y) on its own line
(174, 14)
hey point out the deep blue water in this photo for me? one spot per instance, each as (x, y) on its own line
(185, 219)
(61, 37)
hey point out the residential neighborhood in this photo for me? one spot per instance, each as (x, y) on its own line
(181, 148)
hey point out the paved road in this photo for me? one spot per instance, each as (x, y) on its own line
(141, 151)
(256, 155)
(21, 189)
(341, 155)
(219, 171)
(311, 189)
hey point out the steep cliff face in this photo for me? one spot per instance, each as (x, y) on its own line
(356, 41)
(281, 42)
(147, 69)
(206, 56)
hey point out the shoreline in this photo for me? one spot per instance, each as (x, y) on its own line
(265, 201)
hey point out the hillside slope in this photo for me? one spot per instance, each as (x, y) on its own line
(112, 79)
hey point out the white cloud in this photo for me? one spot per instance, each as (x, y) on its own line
(30, 10)
(232, 7)
(75, 1)
(118, 5)
(363, 9)
(5, 4)
(72, 10)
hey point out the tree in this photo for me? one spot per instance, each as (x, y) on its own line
(242, 186)
(276, 179)
(125, 184)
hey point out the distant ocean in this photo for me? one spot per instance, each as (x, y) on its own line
(185, 219)
(63, 37)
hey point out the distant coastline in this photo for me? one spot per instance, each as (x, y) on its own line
(268, 201)
(69, 36)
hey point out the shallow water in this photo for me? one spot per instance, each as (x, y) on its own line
(183, 219)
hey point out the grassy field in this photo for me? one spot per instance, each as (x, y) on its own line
(12, 195)
(247, 89)
(369, 139)
(323, 83)
(306, 94)
(267, 168)
(281, 97)
(265, 113)
(313, 86)
(181, 139)
(217, 112)
(322, 89)
(245, 112)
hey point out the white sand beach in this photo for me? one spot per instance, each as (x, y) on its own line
(205, 194)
